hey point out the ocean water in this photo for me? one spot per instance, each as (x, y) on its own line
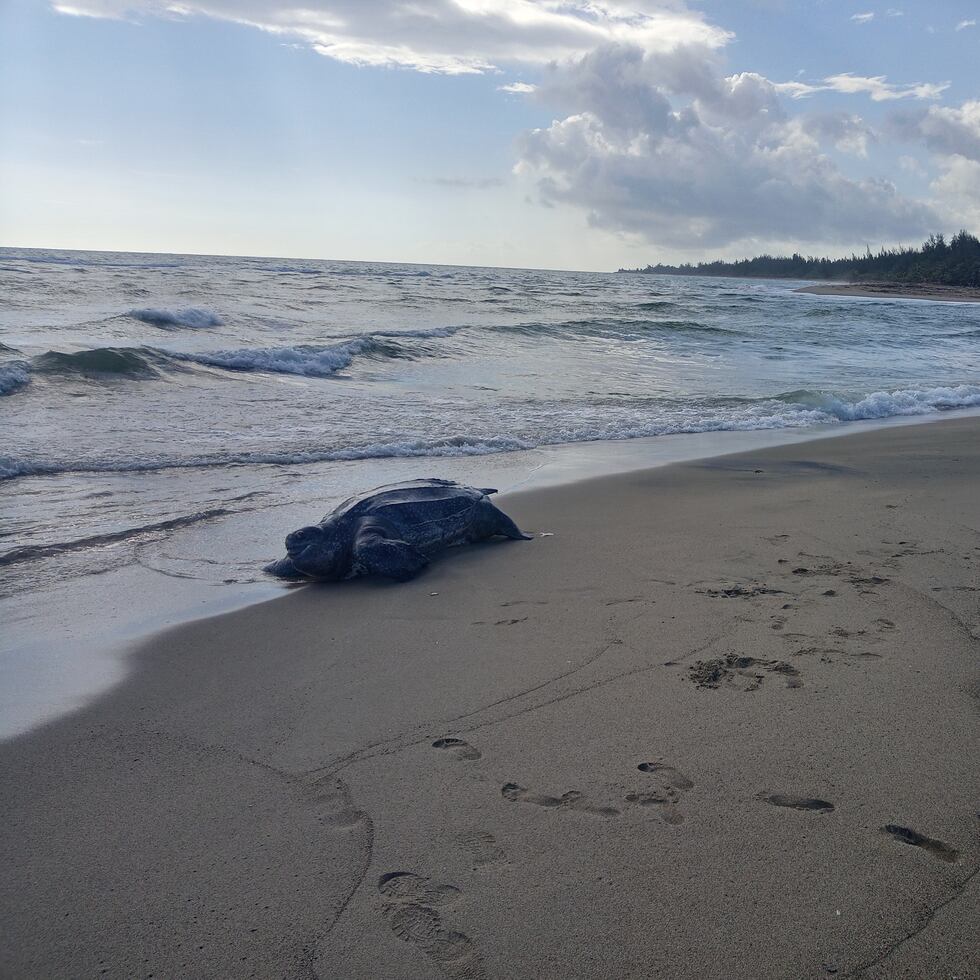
(178, 412)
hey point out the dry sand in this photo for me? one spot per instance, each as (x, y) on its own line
(894, 290)
(721, 724)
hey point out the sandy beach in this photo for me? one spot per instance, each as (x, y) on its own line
(892, 290)
(717, 720)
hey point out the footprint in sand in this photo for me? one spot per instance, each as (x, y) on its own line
(929, 844)
(665, 800)
(668, 774)
(751, 591)
(794, 802)
(458, 748)
(777, 539)
(403, 886)
(333, 801)
(670, 786)
(572, 800)
(482, 847)
(409, 901)
(869, 581)
(741, 672)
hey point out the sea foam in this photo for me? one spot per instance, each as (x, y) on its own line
(793, 410)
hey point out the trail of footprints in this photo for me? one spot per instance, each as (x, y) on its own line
(662, 792)
(411, 902)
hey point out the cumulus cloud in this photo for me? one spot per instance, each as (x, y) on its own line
(847, 132)
(944, 129)
(667, 147)
(964, 24)
(957, 192)
(447, 36)
(653, 137)
(863, 18)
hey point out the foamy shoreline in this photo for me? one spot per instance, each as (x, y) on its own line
(723, 693)
(889, 290)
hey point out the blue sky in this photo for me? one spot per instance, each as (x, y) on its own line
(655, 130)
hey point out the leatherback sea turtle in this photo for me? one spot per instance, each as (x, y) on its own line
(393, 531)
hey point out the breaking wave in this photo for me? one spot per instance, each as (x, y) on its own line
(14, 375)
(789, 410)
(101, 362)
(147, 363)
(316, 361)
(194, 318)
(885, 404)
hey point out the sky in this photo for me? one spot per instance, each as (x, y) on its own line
(572, 134)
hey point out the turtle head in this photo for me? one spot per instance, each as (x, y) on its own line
(317, 552)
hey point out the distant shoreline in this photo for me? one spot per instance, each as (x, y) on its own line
(895, 290)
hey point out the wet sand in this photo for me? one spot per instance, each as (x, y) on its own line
(892, 290)
(720, 723)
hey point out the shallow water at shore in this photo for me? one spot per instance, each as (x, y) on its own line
(147, 398)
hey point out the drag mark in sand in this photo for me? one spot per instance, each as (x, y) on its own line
(917, 930)
(409, 901)
(397, 743)
(934, 847)
(459, 748)
(794, 802)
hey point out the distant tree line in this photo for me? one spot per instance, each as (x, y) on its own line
(938, 262)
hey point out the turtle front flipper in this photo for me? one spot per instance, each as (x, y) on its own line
(377, 554)
(284, 568)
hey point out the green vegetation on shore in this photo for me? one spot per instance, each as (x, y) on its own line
(937, 262)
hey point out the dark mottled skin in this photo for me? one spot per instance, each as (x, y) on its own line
(393, 531)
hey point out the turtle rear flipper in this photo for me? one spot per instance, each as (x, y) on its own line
(496, 522)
